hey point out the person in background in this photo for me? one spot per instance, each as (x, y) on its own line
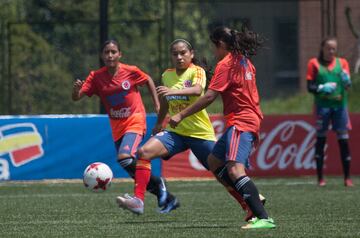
(183, 85)
(328, 79)
(234, 79)
(116, 84)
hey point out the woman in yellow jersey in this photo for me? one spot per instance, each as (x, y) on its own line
(182, 86)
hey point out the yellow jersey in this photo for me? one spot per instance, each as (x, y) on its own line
(197, 125)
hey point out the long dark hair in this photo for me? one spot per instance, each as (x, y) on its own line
(321, 52)
(245, 41)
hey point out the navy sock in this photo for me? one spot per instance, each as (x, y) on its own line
(249, 192)
(319, 156)
(345, 156)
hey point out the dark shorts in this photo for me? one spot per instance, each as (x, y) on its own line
(234, 145)
(337, 118)
(128, 144)
(175, 143)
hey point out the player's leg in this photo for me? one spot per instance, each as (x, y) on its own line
(220, 171)
(239, 150)
(174, 144)
(341, 124)
(153, 148)
(127, 147)
(202, 150)
(322, 124)
(234, 149)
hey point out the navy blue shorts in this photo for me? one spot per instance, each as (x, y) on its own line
(338, 118)
(234, 145)
(128, 144)
(175, 143)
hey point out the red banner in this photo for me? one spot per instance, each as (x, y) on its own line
(286, 149)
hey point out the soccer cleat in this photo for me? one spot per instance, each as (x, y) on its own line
(348, 183)
(321, 183)
(133, 204)
(256, 223)
(162, 194)
(172, 204)
(250, 215)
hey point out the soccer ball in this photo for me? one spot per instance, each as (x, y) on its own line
(97, 177)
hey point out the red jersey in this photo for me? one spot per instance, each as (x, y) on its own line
(313, 67)
(234, 78)
(120, 97)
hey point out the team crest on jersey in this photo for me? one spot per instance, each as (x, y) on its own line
(187, 83)
(248, 75)
(125, 85)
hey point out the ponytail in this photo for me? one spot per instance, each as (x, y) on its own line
(245, 42)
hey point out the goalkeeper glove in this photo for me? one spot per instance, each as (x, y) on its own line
(345, 78)
(326, 88)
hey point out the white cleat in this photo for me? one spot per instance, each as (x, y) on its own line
(133, 204)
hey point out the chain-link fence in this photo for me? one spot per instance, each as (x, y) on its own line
(40, 59)
(45, 58)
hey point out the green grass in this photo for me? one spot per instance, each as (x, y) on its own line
(299, 207)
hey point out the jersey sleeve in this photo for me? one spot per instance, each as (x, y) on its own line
(199, 77)
(345, 65)
(312, 70)
(88, 87)
(219, 82)
(139, 76)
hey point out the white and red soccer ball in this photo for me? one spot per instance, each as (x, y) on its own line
(97, 177)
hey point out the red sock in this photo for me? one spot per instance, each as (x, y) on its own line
(142, 177)
(239, 198)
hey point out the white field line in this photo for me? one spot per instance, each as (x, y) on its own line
(263, 180)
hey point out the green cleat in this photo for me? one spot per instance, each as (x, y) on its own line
(257, 223)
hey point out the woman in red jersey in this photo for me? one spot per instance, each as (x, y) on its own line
(328, 79)
(182, 85)
(234, 79)
(116, 84)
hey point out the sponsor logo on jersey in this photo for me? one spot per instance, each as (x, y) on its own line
(243, 62)
(121, 113)
(117, 98)
(177, 97)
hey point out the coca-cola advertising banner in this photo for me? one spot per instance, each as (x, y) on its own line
(286, 149)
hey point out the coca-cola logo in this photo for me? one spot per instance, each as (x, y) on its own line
(289, 145)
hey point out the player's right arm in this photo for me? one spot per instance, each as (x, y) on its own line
(311, 76)
(164, 108)
(87, 87)
(77, 94)
(312, 85)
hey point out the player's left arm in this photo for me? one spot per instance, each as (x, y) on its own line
(195, 90)
(197, 106)
(152, 90)
(345, 73)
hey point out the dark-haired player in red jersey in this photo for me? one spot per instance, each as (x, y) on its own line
(182, 86)
(328, 78)
(117, 86)
(234, 79)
